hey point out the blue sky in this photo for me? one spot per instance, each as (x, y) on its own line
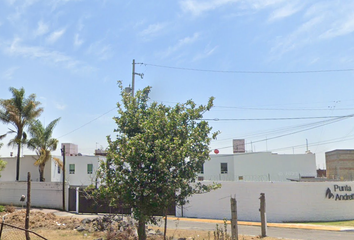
(260, 59)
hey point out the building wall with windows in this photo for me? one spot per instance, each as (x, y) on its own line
(260, 166)
(81, 170)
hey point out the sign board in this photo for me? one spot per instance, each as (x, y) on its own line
(238, 145)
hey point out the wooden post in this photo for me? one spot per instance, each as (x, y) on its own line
(28, 206)
(263, 215)
(234, 229)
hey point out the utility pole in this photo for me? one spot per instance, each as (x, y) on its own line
(133, 76)
(63, 152)
(263, 216)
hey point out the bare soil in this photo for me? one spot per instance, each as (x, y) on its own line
(58, 228)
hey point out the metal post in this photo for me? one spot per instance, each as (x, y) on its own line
(77, 199)
(263, 215)
(234, 229)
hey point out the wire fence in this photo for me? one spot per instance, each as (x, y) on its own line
(9, 232)
(279, 177)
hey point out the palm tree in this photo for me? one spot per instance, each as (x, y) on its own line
(43, 143)
(19, 111)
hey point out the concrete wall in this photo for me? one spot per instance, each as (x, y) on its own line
(285, 201)
(262, 166)
(43, 194)
(27, 165)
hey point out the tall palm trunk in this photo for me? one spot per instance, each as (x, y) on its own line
(41, 172)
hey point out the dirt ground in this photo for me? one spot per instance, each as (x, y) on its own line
(54, 227)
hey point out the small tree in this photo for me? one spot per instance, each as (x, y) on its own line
(43, 144)
(156, 155)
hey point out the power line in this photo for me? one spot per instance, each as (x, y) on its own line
(88, 123)
(272, 119)
(252, 72)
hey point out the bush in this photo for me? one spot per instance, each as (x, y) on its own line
(2, 208)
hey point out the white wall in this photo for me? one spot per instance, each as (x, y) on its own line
(261, 166)
(81, 177)
(27, 165)
(43, 194)
(285, 202)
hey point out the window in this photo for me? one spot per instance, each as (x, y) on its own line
(58, 169)
(223, 167)
(89, 168)
(72, 168)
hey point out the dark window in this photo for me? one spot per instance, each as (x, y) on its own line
(58, 169)
(223, 167)
(202, 169)
(89, 168)
(72, 168)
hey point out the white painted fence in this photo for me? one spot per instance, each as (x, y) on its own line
(43, 194)
(285, 201)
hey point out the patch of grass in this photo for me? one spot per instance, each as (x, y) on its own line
(2, 208)
(349, 223)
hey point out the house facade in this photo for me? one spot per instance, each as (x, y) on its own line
(340, 164)
(258, 166)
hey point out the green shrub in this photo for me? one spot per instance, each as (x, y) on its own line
(2, 208)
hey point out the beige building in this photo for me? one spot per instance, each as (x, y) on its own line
(340, 164)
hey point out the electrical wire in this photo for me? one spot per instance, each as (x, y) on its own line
(252, 72)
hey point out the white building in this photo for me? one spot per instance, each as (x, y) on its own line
(258, 166)
(80, 170)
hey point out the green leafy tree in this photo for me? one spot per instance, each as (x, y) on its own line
(43, 144)
(19, 111)
(156, 155)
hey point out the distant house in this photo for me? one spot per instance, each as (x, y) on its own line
(258, 166)
(340, 164)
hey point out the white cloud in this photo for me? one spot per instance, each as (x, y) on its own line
(206, 53)
(54, 57)
(284, 11)
(77, 40)
(153, 29)
(8, 74)
(198, 7)
(180, 44)
(102, 51)
(52, 38)
(41, 29)
(60, 106)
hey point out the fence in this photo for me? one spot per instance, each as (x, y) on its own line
(278, 177)
(9, 232)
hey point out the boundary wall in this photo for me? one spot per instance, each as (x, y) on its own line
(285, 201)
(43, 194)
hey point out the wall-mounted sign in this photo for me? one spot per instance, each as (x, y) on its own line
(340, 192)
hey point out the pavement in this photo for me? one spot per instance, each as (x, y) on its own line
(214, 221)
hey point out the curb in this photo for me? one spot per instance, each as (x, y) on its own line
(278, 225)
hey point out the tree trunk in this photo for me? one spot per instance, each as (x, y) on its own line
(141, 229)
(18, 162)
(41, 172)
